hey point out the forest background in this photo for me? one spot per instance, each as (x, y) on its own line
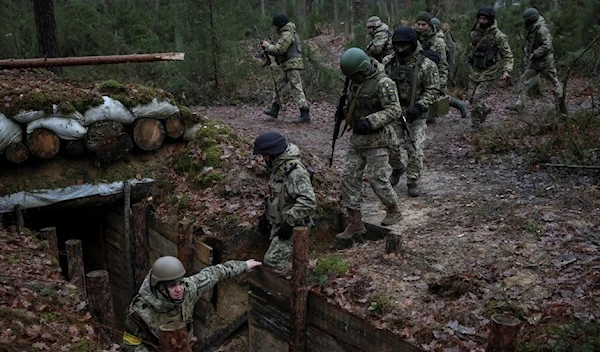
(221, 43)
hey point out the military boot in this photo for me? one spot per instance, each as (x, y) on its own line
(460, 105)
(430, 118)
(304, 117)
(413, 189)
(395, 177)
(273, 111)
(393, 215)
(355, 226)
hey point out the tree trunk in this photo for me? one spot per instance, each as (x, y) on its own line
(214, 42)
(75, 265)
(101, 303)
(89, 60)
(46, 29)
(299, 289)
(503, 333)
(16, 153)
(148, 133)
(175, 126)
(75, 147)
(108, 141)
(43, 143)
(49, 234)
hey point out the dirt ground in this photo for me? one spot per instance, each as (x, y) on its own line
(490, 234)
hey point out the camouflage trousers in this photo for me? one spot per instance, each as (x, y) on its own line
(378, 173)
(291, 82)
(279, 255)
(413, 161)
(548, 72)
(479, 92)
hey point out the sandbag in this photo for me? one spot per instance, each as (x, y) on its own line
(10, 132)
(28, 116)
(156, 109)
(110, 110)
(65, 128)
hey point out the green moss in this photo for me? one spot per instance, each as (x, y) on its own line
(382, 303)
(328, 267)
(213, 156)
(500, 307)
(207, 180)
(112, 86)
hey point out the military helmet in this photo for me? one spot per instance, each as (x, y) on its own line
(374, 21)
(488, 12)
(436, 22)
(271, 143)
(166, 269)
(280, 20)
(353, 61)
(531, 15)
(405, 34)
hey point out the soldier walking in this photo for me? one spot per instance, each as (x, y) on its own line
(380, 46)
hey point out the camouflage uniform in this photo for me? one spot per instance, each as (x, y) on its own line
(291, 199)
(490, 57)
(288, 55)
(376, 100)
(539, 45)
(150, 309)
(380, 46)
(434, 40)
(428, 86)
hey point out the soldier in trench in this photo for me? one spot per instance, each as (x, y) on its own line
(166, 296)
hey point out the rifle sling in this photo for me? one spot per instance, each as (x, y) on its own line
(413, 88)
(352, 106)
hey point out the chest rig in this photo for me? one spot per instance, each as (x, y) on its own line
(484, 53)
(363, 96)
(403, 76)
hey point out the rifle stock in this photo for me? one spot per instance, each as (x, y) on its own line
(340, 116)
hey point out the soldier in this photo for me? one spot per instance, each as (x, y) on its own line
(429, 38)
(418, 85)
(490, 57)
(288, 55)
(540, 58)
(380, 46)
(291, 196)
(372, 107)
(166, 296)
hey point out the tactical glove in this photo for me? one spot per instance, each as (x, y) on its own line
(264, 226)
(413, 113)
(363, 127)
(285, 231)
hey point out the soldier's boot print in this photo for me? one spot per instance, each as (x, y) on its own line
(304, 116)
(413, 189)
(460, 105)
(395, 177)
(393, 215)
(273, 111)
(355, 226)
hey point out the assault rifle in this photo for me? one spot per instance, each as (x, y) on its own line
(339, 117)
(263, 55)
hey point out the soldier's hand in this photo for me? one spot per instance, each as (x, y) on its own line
(285, 231)
(505, 76)
(265, 44)
(251, 263)
(363, 127)
(413, 113)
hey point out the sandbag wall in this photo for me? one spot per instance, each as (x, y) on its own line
(107, 132)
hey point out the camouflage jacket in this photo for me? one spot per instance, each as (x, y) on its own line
(291, 195)
(284, 47)
(380, 46)
(376, 99)
(435, 40)
(499, 46)
(539, 43)
(428, 80)
(149, 310)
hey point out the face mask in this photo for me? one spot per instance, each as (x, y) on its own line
(403, 50)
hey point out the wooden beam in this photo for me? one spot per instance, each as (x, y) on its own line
(49, 234)
(75, 265)
(299, 289)
(203, 252)
(128, 238)
(89, 60)
(221, 335)
(184, 244)
(140, 242)
(101, 303)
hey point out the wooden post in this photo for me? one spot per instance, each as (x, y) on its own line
(128, 239)
(503, 333)
(20, 220)
(49, 234)
(393, 243)
(75, 265)
(299, 289)
(174, 338)
(184, 244)
(140, 242)
(101, 303)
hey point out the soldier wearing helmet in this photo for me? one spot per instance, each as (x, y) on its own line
(539, 54)
(418, 85)
(167, 296)
(380, 45)
(372, 107)
(490, 58)
(291, 199)
(288, 55)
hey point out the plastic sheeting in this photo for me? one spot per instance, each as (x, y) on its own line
(43, 198)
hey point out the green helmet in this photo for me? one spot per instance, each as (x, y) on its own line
(531, 15)
(166, 269)
(373, 21)
(353, 61)
(436, 22)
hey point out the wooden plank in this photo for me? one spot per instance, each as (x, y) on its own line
(115, 221)
(167, 230)
(203, 252)
(161, 244)
(262, 341)
(116, 239)
(152, 256)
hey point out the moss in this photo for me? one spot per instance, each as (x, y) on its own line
(48, 317)
(328, 267)
(499, 307)
(112, 86)
(213, 156)
(207, 180)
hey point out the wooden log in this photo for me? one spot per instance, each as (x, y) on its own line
(43, 143)
(101, 304)
(49, 234)
(20, 219)
(89, 60)
(185, 250)
(174, 126)
(108, 141)
(174, 338)
(504, 330)
(299, 289)
(128, 238)
(16, 153)
(75, 147)
(148, 134)
(140, 242)
(393, 242)
(75, 264)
